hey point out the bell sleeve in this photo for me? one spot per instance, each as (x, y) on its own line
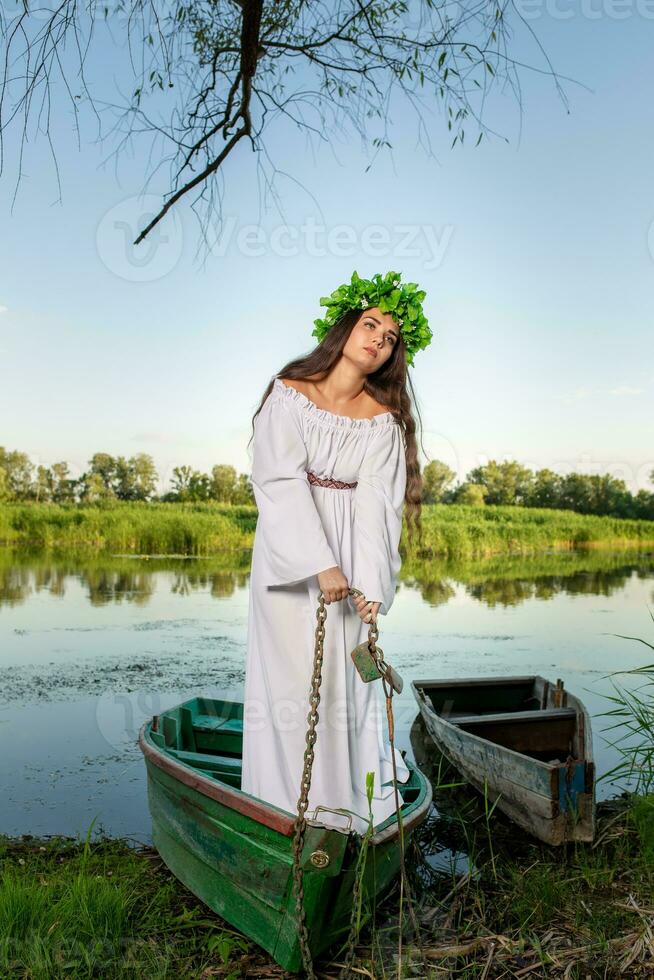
(291, 531)
(377, 521)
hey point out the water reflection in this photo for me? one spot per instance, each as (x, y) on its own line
(91, 647)
(108, 580)
(505, 581)
(512, 580)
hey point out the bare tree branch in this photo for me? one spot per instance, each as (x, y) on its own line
(237, 65)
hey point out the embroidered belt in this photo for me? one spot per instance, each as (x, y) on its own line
(327, 482)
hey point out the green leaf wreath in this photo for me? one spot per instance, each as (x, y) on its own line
(402, 300)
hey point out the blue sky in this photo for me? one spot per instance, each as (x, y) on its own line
(537, 258)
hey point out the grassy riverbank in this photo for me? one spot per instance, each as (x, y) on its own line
(521, 909)
(210, 529)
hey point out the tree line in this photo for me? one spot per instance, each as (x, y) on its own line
(513, 484)
(111, 478)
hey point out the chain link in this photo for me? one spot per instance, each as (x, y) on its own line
(305, 784)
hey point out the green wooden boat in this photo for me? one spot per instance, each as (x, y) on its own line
(524, 741)
(234, 851)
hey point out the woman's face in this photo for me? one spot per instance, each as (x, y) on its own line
(372, 339)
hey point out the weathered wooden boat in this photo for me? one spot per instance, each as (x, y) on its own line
(234, 851)
(525, 742)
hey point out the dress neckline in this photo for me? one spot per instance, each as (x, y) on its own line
(304, 402)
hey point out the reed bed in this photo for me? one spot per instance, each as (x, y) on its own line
(202, 529)
(128, 528)
(632, 724)
(464, 531)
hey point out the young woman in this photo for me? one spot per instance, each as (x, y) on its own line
(334, 461)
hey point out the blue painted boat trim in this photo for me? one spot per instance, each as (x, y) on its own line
(572, 783)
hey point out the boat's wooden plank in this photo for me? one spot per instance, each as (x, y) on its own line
(219, 743)
(531, 773)
(537, 716)
(476, 681)
(209, 723)
(532, 806)
(256, 867)
(255, 917)
(170, 731)
(215, 763)
(551, 744)
(186, 728)
(158, 739)
(483, 757)
(474, 696)
(547, 827)
(572, 783)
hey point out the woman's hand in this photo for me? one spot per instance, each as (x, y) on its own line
(367, 610)
(334, 587)
(333, 584)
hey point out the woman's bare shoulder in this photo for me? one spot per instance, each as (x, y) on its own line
(378, 407)
(292, 383)
(307, 388)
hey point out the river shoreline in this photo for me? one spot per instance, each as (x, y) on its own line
(519, 908)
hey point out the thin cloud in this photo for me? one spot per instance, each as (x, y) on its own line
(576, 396)
(625, 390)
(4, 309)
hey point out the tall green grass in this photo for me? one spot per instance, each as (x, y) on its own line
(82, 911)
(128, 528)
(210, 528)
(632, 717)
(463, 531)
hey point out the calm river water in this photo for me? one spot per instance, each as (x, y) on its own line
(91, 648)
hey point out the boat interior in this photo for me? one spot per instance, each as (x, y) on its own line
(207, 734)
(526, 714)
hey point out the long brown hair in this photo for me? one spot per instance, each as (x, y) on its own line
(390, 386)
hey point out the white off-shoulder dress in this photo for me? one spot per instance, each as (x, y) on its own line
(302, 529)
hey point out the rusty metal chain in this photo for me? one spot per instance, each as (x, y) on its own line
(305, 785)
